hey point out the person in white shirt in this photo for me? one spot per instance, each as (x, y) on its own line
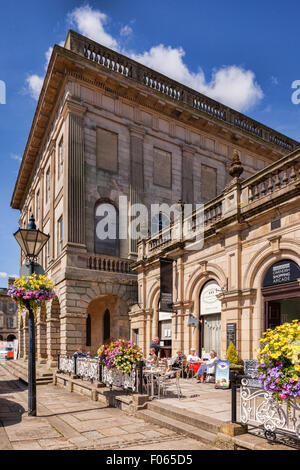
(208, 368)
(193, 357)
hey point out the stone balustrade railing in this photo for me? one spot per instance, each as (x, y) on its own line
(122, 65)
(108, 263)
(273, 178)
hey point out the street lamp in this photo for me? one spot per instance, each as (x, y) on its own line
(31, 242)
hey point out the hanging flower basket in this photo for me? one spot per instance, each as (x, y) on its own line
(279, 361)
(121, 354)
(32, 291)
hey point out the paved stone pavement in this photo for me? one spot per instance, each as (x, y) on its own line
(70, 421)
(202, 398)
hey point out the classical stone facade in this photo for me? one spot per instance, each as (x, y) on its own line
(243, 279)
(106, 126)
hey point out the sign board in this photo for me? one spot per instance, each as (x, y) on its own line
(166, 285)
(209, 303)
(250, 370)
(9, 349)
(164, 316)
(222, 374)
(192, 321)
(281, 273)
(230, 334)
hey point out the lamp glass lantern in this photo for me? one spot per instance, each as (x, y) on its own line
(31, 240)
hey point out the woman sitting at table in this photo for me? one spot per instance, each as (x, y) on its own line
(175, 363)
(208, 368)
(152, 359)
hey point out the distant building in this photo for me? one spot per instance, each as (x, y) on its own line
(8, 315)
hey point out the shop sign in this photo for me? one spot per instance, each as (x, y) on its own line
(209, 303)
(281, 273)
(231, 334)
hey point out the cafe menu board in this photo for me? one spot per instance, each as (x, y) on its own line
(250, 371)
(222, 374)
(281, 273)
(230, 334)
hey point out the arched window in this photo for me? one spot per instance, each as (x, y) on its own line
(88, 331)
(107, 229)
(106, 326)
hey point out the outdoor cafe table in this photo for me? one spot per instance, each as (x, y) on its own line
(195, 366)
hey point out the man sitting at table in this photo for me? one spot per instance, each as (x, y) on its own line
(175, 363)
(208, 368)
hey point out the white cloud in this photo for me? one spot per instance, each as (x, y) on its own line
(16, 157)
(274, 80)
(3, 275)
(91, 23)
(126, 31)
(232, 85)
(34, 83)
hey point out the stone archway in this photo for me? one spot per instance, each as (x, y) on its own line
(108, 315)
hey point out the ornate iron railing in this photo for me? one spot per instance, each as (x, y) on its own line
(263, 415)
(90, 369)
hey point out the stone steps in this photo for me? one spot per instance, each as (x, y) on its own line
(20, 370)
(185, 416)
(178, 426)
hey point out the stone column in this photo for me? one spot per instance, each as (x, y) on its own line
(136, 174)
(74, 178)
(187, 174)
(41, 339)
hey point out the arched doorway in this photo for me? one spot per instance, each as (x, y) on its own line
(281, 293)
(11, 338)
(106, 326)
(108, 317)
(210, 318)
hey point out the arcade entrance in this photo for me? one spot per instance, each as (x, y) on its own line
(281, 293)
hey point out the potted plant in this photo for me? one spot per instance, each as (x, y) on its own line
(120, 354)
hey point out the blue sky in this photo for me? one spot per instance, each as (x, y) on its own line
(241, 53)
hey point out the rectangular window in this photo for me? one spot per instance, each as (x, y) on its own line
(208, 183)
(162, 168)
(60, 158)
(107, 150)
(48, 185)
(60, 236)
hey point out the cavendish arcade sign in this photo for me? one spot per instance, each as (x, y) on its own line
(281, 273)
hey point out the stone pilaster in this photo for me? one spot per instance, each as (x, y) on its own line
(136, 174)
(187, 175)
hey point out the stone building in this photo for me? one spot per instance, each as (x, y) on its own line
(104, 127)
(8, 315)
(242, 279)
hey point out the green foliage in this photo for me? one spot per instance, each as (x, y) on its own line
(232, 354)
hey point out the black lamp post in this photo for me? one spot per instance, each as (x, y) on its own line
(31, 242)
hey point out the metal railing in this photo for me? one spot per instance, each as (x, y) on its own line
(262, 414)
(90, 369)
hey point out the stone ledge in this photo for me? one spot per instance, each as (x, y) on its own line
(127, 402)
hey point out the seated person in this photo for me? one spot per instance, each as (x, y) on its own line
(176, 363)
(192, 357)
(208, 368)
(79, 353)
(152, 359)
